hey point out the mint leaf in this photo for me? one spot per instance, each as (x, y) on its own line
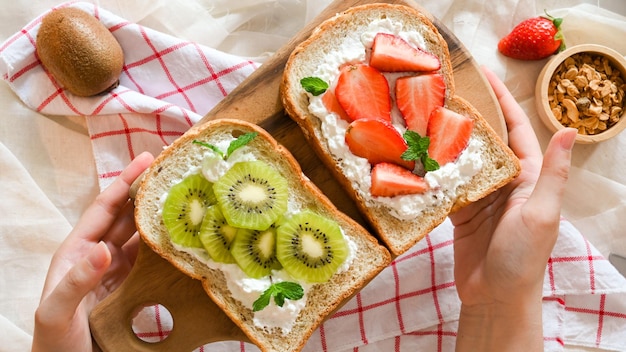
(411, 137)
(418, 150)
(291, 290)
(279, 299)
(314, 85)
(429, 164)
(210, 146)
(411, 154)
(264, 300)
(240, 142)
(234, 145)
(280, 291)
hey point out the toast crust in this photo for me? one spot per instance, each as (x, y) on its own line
(500, 166)
(183, 155)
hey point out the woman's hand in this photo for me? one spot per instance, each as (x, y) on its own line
(92, 262)
(502, 243)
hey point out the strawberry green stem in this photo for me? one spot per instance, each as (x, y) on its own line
(557, 21)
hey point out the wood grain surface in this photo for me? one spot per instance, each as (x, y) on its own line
(197, 320)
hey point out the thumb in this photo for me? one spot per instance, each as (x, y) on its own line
(548, 193)
(61, 304)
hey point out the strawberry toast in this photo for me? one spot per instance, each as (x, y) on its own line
(373, 91)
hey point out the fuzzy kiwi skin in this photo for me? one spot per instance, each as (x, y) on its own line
(79, 51)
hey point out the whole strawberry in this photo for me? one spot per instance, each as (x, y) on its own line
(533, 39)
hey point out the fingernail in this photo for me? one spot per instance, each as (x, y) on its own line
(568, 139)
(98, 257)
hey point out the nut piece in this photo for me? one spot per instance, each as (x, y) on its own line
(586, 92)
(572, 110)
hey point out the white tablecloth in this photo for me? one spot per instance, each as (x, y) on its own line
(47, 167)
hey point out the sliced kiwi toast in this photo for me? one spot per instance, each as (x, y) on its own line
(241, 219)
(185, 156)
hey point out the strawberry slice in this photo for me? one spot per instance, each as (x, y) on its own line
(417, 97)
(391, 53)
(449, 134)
(389, 180)
(332, 105)
(377, 141)
(363, 92)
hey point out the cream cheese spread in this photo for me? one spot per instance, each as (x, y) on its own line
(243, 288)
(443, 183)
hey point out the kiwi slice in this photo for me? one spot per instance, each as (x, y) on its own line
(310, 247)
(255, 251)
(217, 236)
(252, 195)
(184, 209)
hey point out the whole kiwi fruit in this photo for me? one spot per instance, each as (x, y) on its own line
(79, 51)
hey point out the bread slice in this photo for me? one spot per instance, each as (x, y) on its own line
(183, 157)
(500, 165)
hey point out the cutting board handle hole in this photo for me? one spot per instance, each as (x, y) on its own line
(152, 322)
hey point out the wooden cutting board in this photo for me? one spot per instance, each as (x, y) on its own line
(197, 320)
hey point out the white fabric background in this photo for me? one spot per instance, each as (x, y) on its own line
(47, 171)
